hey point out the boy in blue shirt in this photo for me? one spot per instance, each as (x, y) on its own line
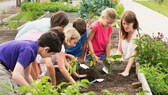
(80, 49)
(16, 57)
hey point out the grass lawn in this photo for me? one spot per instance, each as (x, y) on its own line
(161, 8)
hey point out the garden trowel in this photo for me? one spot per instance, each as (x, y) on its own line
(83, 66)
(105, 69)
(96, 80)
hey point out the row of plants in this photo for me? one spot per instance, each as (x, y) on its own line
(33, 10)
(91, 9)
(43, 87)
(153, 60)
(70, 1)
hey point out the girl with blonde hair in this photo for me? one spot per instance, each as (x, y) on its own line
(99, 38)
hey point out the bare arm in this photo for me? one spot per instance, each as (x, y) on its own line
(50, 70)
(129, 64)
(34, 71)
(90, 38)
(17, 75)
(119, 50)
(81, 58)
(69, 56)
(27, 74)
(61, 60)
(108, 47)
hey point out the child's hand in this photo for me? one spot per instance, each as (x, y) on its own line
(81, 60)
(82, 76)
(39, 76)
(97, 59)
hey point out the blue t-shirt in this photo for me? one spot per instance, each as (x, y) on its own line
(23, 52)
(41, 25)
(77, 50)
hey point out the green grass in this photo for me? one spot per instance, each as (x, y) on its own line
(161, 8)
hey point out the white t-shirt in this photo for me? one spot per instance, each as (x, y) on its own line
(128, 47)
(40, 60)
(41, 25)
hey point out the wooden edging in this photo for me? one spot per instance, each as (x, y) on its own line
(143, 80)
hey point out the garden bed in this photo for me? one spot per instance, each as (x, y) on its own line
(114, 82)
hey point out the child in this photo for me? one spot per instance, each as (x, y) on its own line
(43, 25)
(72, 37)
(35, 71)
(16, 56)
(128, 32)
(34, 29)
(99, 37)
(80, 49)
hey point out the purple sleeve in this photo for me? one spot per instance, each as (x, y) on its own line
(24, 57)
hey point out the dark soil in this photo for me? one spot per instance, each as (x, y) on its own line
(114, 82)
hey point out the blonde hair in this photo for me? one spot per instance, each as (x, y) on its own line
(70, 34)
(109, 13)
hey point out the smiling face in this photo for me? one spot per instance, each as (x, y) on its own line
(129, 23)
(128, 27)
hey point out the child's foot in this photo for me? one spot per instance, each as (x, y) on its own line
(82, 76)
(125, 74)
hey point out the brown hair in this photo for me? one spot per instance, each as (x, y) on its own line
(129, 17)
(59, 19)
(59, 32)
(80, 25)
(109, 13)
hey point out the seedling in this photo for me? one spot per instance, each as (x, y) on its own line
(73, 66)
(113, 58)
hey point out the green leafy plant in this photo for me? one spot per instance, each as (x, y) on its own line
(151, 50)
(74, 64)
(6, 88)
(90, 8)
(91, 59)
(33, 10)
(153, 57)
(114, 59)
(157, 79)
(43, 87)
(119, 9)
(106, 92)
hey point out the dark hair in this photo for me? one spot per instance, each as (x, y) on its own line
(59, 19)
(59, 32)
(80, 26)
(51, 40)
(129, 17)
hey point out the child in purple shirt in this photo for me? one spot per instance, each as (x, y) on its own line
(16, 57)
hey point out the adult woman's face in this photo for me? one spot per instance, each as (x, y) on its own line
(128, 27)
